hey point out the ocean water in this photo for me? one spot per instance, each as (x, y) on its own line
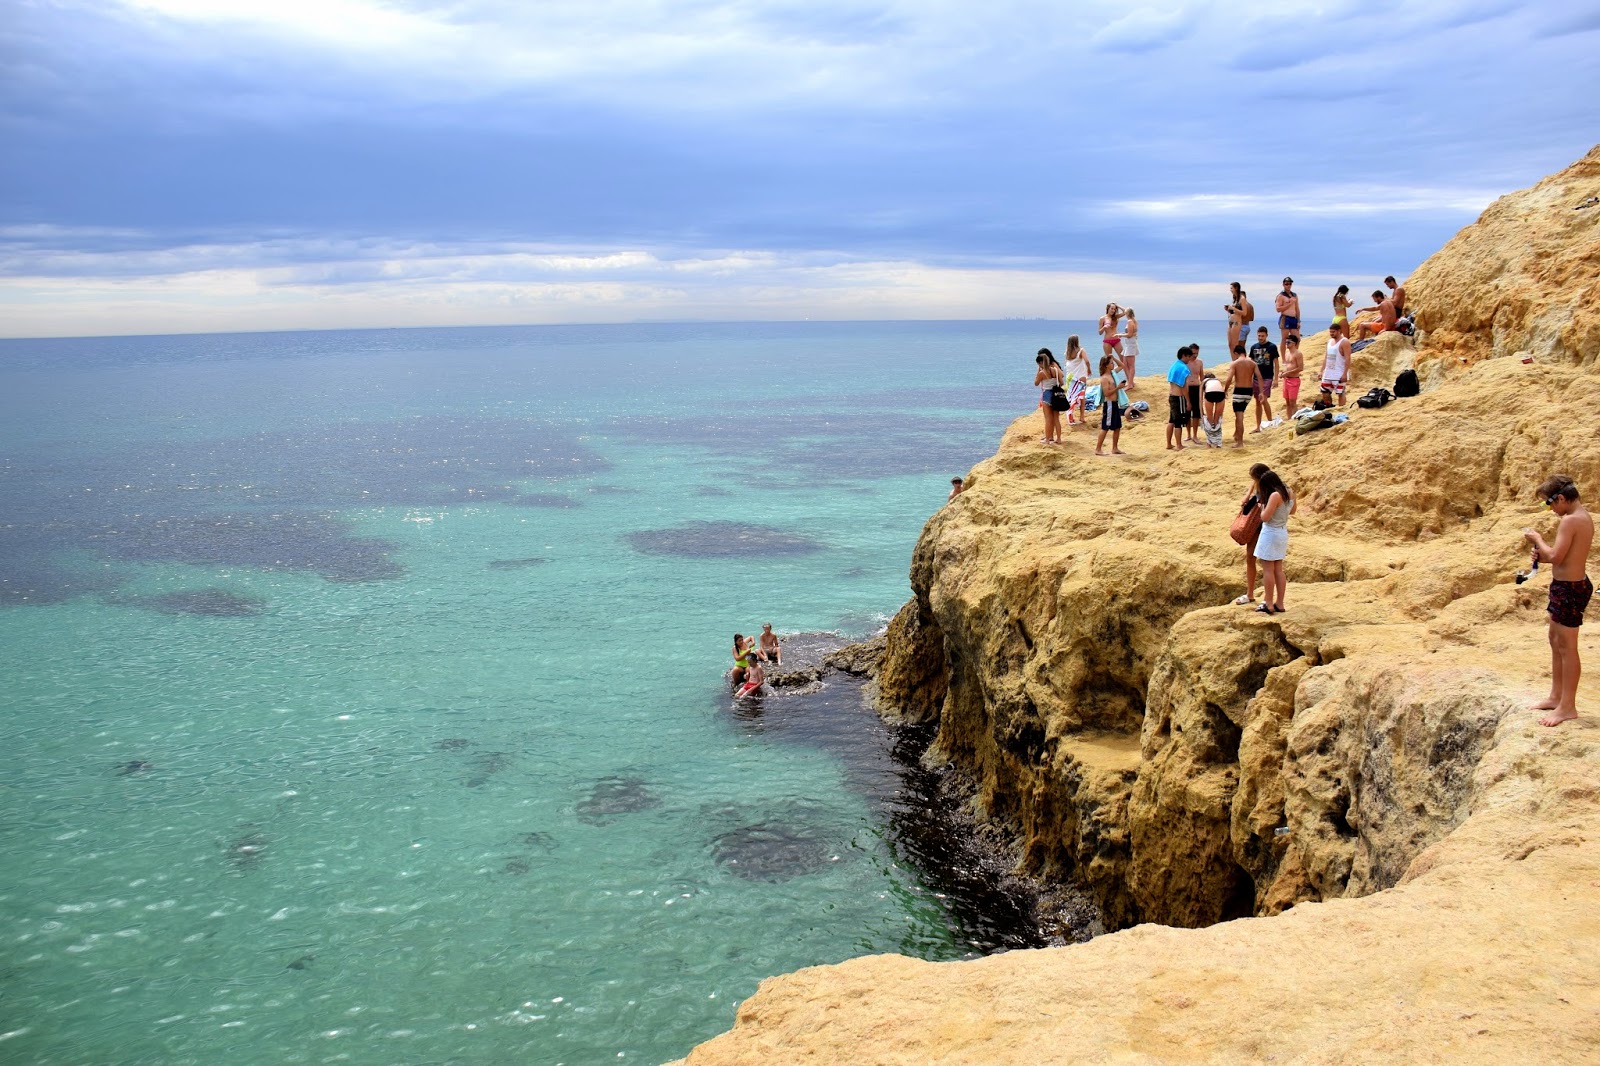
(363, 693)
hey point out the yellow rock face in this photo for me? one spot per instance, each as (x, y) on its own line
(1414, 862)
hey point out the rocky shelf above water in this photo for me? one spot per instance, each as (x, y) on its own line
(1334, 835)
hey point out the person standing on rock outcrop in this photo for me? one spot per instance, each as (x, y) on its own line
(1110, 410)
(1570, 591)
(1397, 295)
(1287, 304)
(1241, 379)
(1272, 546)
(1177, 400)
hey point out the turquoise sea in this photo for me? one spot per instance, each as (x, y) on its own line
(363, 693)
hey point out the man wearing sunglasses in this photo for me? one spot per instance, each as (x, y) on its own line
(1570, 590)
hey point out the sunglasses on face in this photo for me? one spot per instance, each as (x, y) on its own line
(1550, 501)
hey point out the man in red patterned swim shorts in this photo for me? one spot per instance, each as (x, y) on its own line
(1570, 590)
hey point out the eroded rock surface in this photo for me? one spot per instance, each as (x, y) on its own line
(1362, 768)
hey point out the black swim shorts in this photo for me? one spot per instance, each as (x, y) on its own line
(1242, 398)
(1110, 416)
(1568, 601)
(1177, 411)
(1194, 402)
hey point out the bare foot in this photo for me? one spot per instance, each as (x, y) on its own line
(1116, 451)
(1169, 447)
(1557, 717)
(1097, 451)
(1546, 704)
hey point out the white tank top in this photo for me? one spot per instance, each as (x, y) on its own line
(1335, 365)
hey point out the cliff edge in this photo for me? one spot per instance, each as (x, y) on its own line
(1357, 842)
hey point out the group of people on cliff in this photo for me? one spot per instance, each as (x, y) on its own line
(1195, 396)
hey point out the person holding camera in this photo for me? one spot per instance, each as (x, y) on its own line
(1570, 591)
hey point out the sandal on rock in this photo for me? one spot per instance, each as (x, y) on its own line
(1242, 600)
(1262, 608)
(1279, 610)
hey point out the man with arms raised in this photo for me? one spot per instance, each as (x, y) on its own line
(1570, 590)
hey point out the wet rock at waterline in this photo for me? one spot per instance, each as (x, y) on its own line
(616, 795)
(721, 540)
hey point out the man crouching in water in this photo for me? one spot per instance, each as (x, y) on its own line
(1570, 589)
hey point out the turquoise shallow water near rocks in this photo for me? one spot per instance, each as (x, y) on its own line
(362, 689)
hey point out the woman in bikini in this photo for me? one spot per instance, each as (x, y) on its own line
(1235, 309)
(1341, 306)
(1046, 377)
(1110, 339)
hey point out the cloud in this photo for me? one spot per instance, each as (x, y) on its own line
(1578, 19)
(1145, 29)
(1319, 201)
(218, 289)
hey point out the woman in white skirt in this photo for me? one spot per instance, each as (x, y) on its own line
(1130, 349)
(1272, 547)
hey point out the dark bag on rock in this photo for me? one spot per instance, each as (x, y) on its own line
(1406, 384)
(1247, 523)
(1374, 398)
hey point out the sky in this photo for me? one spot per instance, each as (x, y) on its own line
(171, 166)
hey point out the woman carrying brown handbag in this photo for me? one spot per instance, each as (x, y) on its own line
(1246, 529)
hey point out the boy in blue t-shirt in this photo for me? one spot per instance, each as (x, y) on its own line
(1177, 400)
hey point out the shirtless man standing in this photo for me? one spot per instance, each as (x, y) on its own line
(1287, 304)
(1386, 317)
(1293, 364)
(1241, 380)
(1197, 373)
(1570, 589)
(1397, 295)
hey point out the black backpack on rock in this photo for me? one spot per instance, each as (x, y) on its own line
(1374, 398)
(1406, 384)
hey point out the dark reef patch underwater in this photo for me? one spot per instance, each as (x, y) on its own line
(265, 501)
(722, 540)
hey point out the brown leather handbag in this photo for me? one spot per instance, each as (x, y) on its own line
(1247, 523)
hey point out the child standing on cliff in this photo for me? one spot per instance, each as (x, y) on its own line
(1110, 412)
(1570, 590)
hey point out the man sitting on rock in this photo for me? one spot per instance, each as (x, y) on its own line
(1570, 590)
(1387, 318)
(770, 650)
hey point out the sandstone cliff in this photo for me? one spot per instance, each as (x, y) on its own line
(1365, 759)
